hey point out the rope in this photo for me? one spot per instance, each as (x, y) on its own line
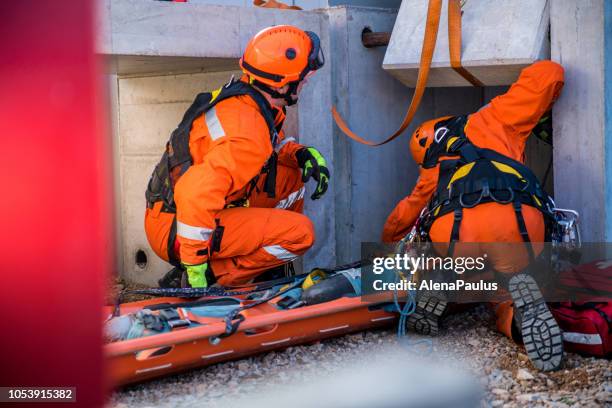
(408, 308)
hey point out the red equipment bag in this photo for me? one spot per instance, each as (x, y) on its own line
(586, 326)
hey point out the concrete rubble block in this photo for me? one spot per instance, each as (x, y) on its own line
(499, 39)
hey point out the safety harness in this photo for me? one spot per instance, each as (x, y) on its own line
(470, 176)
(177, 157)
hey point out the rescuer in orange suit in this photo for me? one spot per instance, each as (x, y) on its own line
(235, 155)
(502, 126)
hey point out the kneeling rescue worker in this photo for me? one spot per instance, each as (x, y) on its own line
(226, 199)
(475, 188)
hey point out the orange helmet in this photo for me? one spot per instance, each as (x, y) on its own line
(422, 138)
(281, 55)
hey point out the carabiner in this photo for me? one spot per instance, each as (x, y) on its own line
(508, 201)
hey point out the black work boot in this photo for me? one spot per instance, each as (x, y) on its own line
(428, 314)
(539, 329)
(172, 279)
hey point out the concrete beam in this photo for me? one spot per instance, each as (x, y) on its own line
(144, 37)
(498, 41)
(580, 165)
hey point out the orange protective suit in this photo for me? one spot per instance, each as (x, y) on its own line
(504, 126)
(229, 145)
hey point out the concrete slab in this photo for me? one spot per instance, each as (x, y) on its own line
(143, 37)
(498, 41)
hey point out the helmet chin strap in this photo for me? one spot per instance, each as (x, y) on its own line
(287, 96)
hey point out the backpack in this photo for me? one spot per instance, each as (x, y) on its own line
(586, 326)
(177, 156)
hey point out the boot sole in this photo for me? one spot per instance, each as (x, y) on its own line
(427, 315)
(541, 334)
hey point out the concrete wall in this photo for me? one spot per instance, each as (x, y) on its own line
(581, 176)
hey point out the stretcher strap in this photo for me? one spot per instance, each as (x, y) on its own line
(429, 44)
(454, 42)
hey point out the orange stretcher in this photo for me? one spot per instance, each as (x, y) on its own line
(265, 327)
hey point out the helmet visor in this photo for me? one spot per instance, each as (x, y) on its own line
(316, 59)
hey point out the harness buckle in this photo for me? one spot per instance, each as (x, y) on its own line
(457, 215)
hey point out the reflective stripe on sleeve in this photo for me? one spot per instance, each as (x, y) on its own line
(582, 338)
(283, 143)
(291, 199)
(214, 126)
(279, 252)
(191, 232)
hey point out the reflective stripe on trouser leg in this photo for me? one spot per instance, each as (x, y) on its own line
(257, 239)
(280, 253)
(288, 184)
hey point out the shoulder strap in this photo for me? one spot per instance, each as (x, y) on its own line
(205, 101)
(450, 140)
(238, 88)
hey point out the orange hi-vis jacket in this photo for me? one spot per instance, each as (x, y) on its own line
(229, 146)
(503, 126)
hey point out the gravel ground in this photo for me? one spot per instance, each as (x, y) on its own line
(468, 341)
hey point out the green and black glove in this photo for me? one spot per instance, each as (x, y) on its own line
(544, 130)
(313, 165)
(196, 275)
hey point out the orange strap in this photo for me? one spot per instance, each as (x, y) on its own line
(274, 4)
(429, 45)
(454, 42)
